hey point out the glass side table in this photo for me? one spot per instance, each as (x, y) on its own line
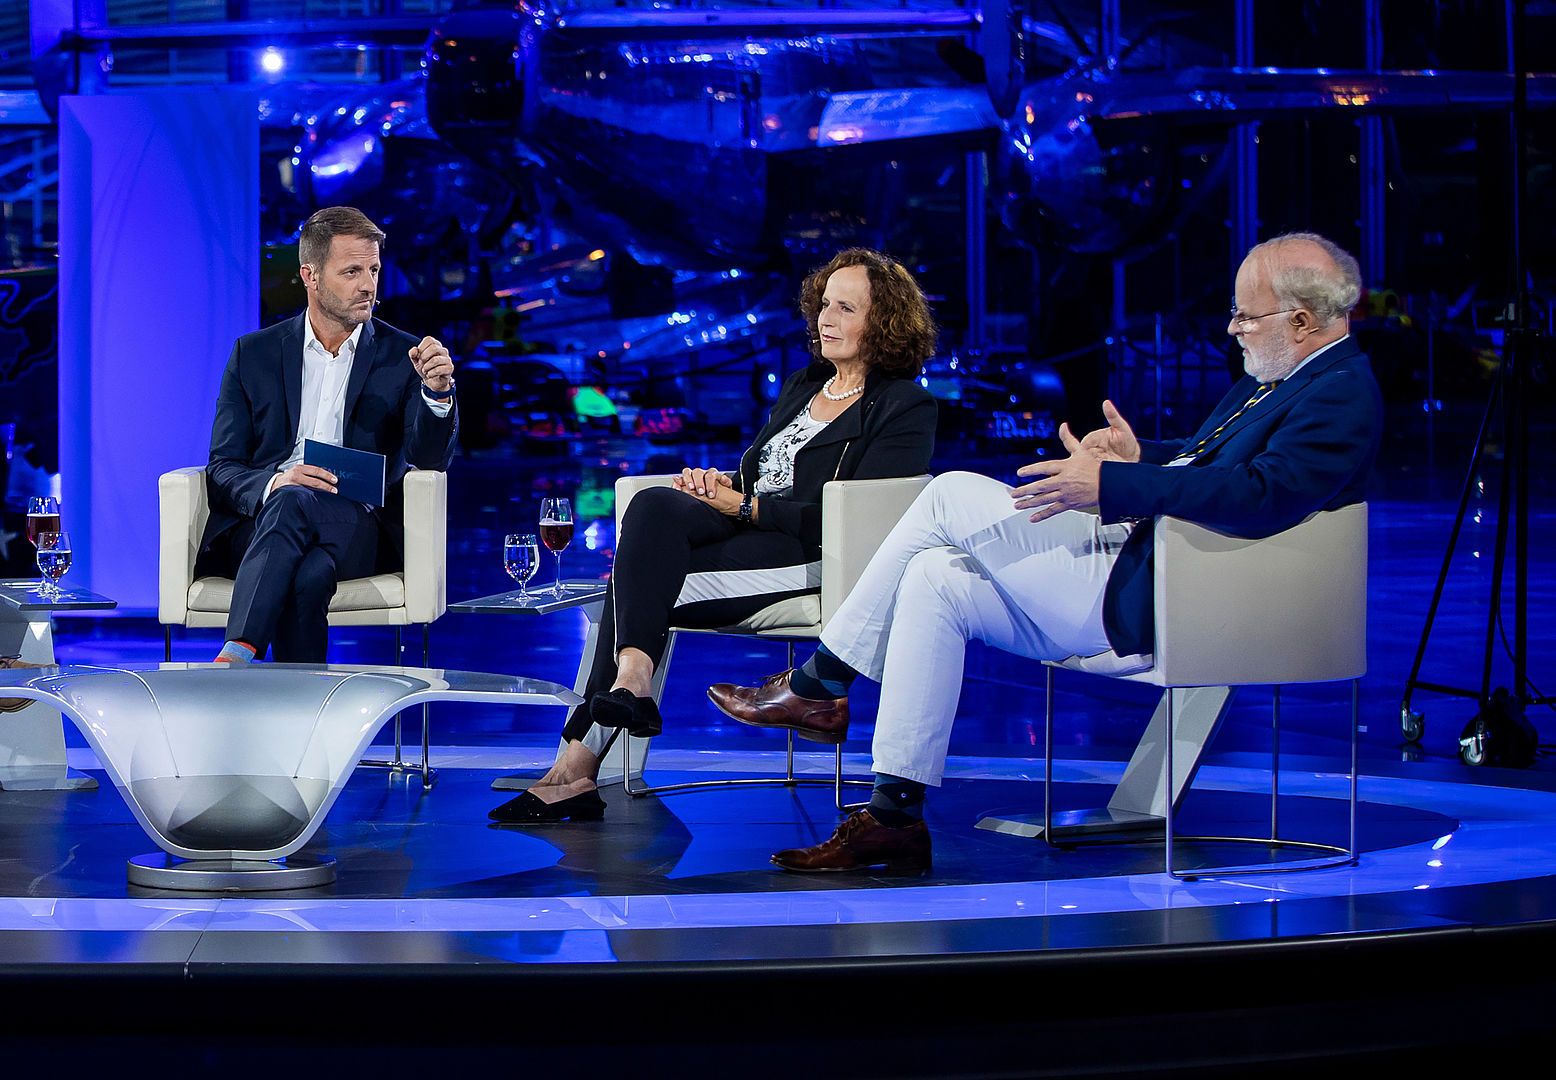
(590, 596)
(32, 739)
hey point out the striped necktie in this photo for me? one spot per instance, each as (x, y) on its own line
(1257, 396)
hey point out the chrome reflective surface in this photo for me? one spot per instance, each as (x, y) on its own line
(162, 871)
(242, 761)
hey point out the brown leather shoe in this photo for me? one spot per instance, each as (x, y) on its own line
(774, 705)
(12, 704)
(861, 843)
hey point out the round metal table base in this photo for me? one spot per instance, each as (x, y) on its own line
(159, 870)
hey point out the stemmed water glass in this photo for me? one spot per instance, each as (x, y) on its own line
(53, 560)
(556, 532)
(521, 558)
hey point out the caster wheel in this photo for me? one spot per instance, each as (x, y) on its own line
(1472, 744)
(1411, 724)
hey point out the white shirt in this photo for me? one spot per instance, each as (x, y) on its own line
(1314, 355)
(322, 415)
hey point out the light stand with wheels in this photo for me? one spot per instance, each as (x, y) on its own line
(1499, 733)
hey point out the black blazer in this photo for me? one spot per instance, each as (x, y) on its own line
(1307, 446)
(890, 431)
(257, 412)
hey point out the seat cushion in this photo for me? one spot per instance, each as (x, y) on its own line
(370, 593)
(799, 616)
(1110, 664)
(210, 594)
(797, 612)
(379, 592)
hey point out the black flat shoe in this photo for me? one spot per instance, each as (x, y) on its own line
(526, 808)
(622, 708)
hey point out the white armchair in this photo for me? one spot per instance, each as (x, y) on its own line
(1290, 608)
(418, 594)
(856, 515)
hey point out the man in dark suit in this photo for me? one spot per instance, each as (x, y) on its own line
(1065, 569)
(337, 375)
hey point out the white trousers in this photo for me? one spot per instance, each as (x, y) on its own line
(963, 564)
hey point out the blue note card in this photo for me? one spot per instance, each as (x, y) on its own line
(360, 472)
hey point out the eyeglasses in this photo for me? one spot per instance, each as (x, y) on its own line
(1242, 321)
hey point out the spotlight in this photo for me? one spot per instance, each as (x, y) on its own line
(272, 61)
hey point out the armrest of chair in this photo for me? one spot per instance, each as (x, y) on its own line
(628, 486)
(426, 544)
(183, 509)
(856, 515)
(1288, 608)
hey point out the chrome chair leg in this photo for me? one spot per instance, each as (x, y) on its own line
(1172, 700)
(1048, 757)
(1349, 855)
(788, 779)
(427, 774)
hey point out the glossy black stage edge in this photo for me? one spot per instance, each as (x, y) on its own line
(1372, 999)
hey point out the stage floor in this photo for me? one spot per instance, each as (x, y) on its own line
(686, 954)
(668, 909)
(426, 879)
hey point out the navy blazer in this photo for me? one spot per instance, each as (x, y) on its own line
(890, 431)
(1307, 446)
(260, 401)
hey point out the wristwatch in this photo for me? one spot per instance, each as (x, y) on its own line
(439, 395)
(746, 506)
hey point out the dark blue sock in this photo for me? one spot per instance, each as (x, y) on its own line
(896, 802)
(823, 676)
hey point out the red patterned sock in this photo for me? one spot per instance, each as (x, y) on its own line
(236, 652)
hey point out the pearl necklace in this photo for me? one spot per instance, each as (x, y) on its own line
(826, 391)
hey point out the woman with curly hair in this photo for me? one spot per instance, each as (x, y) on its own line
(717, 547)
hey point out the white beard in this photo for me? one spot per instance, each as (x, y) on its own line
(1276, 362)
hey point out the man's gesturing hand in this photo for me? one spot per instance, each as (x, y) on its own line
(1115, 442)
(1075, 482)
(1071, 484)
(433, 363)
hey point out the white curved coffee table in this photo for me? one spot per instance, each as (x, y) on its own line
(231, 768)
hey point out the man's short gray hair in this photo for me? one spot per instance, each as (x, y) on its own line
(320, 231)
(1328, 291)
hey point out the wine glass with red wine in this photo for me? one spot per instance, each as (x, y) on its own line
(556, 532)
(42, 516)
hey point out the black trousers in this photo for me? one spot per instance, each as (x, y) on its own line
(680, 562)
(289, 560)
